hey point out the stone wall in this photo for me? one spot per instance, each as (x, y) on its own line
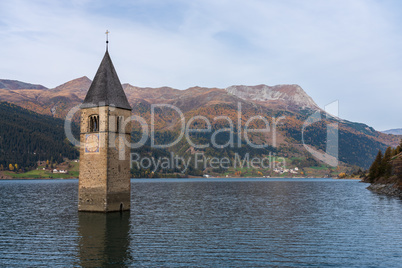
(104, 182)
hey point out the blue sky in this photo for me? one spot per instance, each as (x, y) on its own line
(343, 50)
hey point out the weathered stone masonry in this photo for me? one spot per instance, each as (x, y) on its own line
(104, 181)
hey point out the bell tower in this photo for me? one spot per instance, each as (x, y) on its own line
(104, 181)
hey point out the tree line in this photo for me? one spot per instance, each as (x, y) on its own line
(27, 137)
(386, 165)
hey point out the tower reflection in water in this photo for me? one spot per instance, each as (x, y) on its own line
(104, 239)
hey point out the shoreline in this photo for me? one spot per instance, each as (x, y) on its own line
(193, 177)
(390, 189)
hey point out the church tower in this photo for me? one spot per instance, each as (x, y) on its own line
(104, 181)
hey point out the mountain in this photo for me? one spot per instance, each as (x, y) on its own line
(291, 97)
(358, 143)
(396, 131)
(55, 102)
(27, 137)
(15, 85)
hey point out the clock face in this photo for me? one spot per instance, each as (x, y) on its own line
(92, 143)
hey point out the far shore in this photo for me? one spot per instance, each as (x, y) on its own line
(192, 177)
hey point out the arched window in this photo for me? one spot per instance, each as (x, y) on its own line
(119, 122)
(93, 123)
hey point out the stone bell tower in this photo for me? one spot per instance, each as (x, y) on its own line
(104, 181)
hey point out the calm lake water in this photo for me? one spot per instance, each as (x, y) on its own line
(203, 222)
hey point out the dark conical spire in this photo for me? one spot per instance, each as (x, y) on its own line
(106, 89)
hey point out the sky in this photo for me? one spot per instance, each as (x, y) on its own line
(336, 50)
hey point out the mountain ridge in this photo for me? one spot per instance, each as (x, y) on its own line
(395, 131)
(270, 102)
(284, 96)
(15, 85)
(292, 96)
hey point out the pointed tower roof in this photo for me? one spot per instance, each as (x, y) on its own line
(106, 89)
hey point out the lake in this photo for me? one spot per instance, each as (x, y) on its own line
(203, 222)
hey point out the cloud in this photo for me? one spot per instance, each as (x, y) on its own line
(336, 50)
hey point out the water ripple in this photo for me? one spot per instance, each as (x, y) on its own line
(199, 223)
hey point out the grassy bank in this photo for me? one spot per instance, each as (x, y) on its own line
(40, 173)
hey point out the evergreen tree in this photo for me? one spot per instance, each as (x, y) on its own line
(26, 137)
(398, 148)
(397, 163)
(375, 169)
(386, 166)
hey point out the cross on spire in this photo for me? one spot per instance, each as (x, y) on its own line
(107, 38)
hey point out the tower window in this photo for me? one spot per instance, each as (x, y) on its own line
(119, 122)
(93, 123)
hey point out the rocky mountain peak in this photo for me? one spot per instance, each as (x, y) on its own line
(290, 96)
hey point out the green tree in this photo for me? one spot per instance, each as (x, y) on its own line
(386, 165)
(27, 137)
(375, 169)
(397, 163)
(398, 149)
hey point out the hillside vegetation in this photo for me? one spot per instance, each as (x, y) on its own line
(27, 137)
(385, 173)
(358, 143)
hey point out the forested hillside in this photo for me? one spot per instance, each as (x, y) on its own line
(26, 137)
(358, 143)
(385, 173)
